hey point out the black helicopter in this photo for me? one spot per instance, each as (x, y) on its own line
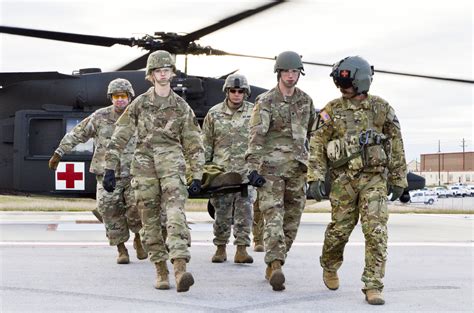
(38, 108)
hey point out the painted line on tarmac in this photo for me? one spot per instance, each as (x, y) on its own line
(203, 243)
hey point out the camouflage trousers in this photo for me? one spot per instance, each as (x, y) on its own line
(155, 195)
(257, 226)
(282, 199)
(118, 210)
(241, 207)
(366, 197)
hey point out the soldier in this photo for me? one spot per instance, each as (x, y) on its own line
(360, 142)
(168, 132)
(117, 209)
(225, 137)
(281, 124)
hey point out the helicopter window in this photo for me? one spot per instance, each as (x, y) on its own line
(44, 135)
(82, 148)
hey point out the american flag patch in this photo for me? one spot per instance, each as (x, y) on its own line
(324, 116)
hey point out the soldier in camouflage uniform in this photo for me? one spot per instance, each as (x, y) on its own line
(167, 132)
(359, 141)
(225, 137)
(117, 209)
(281, 124)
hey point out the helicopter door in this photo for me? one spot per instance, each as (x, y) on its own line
(37, 134)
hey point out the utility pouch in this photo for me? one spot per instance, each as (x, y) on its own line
(353, 153)
(375, 156)
(335, 150)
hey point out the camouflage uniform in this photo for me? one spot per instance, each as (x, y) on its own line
(257, 226)
(225, 137)
(167, 131)
(359, 177)
(118, 209)
(279, 135)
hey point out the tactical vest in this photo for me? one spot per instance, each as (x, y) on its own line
(359, 143)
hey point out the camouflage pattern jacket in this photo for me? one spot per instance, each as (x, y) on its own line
(226, 136)
(358, 136)
(99, 125)
(280, 129)
(167, 132)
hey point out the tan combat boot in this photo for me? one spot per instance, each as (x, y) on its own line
(184, 280)
(123, 254)
(162, 279)
(331, 280)
(241, 255)
(268, 272)
(374, 296)
(137, 245)
(258, 247)
(220, 255)
(277, 279)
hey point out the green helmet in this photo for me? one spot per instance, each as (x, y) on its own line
(120, 85)
(159, 59)
(353, 72)
(288, 60)
(236, 81)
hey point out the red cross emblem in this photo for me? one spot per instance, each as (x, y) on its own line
(70, 176)
(344, 73)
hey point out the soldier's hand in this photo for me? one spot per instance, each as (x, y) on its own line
(396, 192)
(317, 190)
(109, 180)
(255, 179)
(54, 161)
(195, 187)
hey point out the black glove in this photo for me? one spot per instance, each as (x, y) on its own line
(195, 187)
(396, 192)
(317, 190)
(109, 180)
(255, 179)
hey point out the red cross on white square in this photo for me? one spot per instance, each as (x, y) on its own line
(70, 176)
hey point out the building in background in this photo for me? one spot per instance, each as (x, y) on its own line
(445, 168)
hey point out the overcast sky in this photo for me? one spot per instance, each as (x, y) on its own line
(426, 37)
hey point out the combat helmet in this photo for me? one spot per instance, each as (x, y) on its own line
(120, 85)
(236, 81)
(159, 59)
(288, 60)
(354, 72)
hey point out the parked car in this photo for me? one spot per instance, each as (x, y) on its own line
(457, 191)
(470, 190)
(441, 191)
(423, 196)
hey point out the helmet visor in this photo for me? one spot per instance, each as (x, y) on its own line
(343, 82)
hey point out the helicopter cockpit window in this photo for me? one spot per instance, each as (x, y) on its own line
(82, 148)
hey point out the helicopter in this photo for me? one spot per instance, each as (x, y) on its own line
(38, 108)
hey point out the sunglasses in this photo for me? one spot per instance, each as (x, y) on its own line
(120, 96)
(240, 91)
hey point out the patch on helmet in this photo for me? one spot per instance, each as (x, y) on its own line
(345, 73)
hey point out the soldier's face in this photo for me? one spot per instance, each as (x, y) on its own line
(289, 78)
(235, 96)
(347, 93)
(163, 75)
(120, 101)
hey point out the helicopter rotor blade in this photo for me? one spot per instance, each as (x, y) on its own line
(68, 37)
(227, 21)
(452, 79)
(139, 62)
